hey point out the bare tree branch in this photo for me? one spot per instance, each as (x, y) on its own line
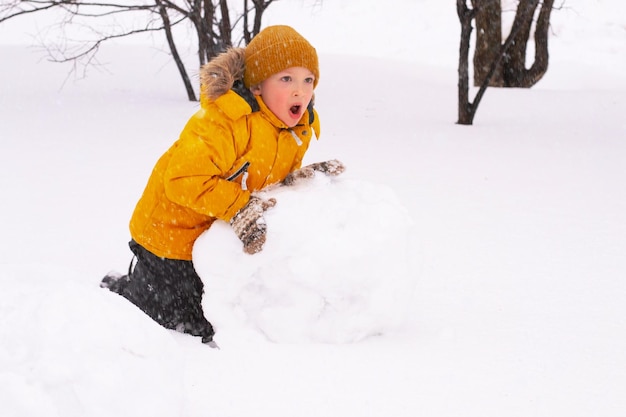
(214, 27)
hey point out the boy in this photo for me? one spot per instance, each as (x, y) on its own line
(255, 123)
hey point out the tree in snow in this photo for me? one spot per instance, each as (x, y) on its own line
(495, 63)
(214, 23)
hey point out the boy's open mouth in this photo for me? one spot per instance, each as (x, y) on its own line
(295, 109)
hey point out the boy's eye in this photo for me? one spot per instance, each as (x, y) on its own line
(286, 78)
(309, 80)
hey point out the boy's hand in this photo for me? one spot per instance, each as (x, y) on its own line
(331, 168)
(249, 224)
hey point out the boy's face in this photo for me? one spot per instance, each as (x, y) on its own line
(287, 93)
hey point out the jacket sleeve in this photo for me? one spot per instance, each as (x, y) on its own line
(199, 164)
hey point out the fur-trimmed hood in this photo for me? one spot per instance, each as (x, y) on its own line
(222, 72)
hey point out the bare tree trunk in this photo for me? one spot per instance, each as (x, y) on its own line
(515, 60)
(247, 37)
(225, 28)
(512, 71)
(516, 73)
(191, 95)
(206, 32)
(259, 6)
(540, 66)
(466, 110)
(488, 40)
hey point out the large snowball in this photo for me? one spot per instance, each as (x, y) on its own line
(334, 268)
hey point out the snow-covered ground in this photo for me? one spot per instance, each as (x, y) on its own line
(450, 271)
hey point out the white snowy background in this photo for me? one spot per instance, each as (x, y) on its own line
(451, 271)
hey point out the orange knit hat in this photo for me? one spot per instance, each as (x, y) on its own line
(274, 49)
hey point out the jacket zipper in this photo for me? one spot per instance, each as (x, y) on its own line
(243, 170)
(296, 137)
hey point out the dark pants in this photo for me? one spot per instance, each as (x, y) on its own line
(168, 290)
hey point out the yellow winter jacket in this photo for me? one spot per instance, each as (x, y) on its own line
(228, 149)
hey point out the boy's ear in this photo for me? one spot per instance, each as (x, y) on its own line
(256, 89)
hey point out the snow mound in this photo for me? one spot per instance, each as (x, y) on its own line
(334, 268)
(71, 350)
